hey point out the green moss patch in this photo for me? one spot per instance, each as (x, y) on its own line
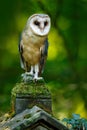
(33, 89)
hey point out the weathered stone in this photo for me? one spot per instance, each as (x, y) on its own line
(39, 128)
(27, 95)
(33, 119)
(31, 102)
(27, 101)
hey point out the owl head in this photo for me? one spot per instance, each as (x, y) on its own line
(39, 24)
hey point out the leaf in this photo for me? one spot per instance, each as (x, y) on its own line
(76, 116)
(72, 121)
(85, 124)
(65, 120)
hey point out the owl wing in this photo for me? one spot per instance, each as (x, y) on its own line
(44, 53)
(21, 52)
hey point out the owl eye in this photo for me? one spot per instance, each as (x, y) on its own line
(45, 23)
(37, 23)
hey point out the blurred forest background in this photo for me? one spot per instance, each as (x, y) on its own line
(66, 67)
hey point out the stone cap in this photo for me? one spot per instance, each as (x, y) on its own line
(30, 118)
(26, 95)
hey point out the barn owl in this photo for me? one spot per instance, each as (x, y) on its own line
(33, 46)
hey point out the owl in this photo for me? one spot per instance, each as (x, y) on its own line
(33, 46)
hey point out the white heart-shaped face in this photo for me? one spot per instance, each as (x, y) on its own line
(40, 24)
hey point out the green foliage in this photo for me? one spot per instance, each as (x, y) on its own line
(76, 122)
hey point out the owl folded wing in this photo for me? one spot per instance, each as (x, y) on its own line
(21, 52)
(44, 53)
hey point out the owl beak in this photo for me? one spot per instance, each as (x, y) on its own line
(42, 30)
(42, 27)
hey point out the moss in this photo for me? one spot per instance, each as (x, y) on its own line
(32, 89)
(27, 116)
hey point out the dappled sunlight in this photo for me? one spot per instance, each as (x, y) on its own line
(56, 46)
(80, 108)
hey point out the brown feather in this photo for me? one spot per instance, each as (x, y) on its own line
(31, 45)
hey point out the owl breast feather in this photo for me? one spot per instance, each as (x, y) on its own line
(31, 48)
(31, 54)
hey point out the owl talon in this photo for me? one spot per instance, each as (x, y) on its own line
(29, 73)
(26, 74)
(37, 78)
(27, 77)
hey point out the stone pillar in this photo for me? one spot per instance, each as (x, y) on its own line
(28, 94)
